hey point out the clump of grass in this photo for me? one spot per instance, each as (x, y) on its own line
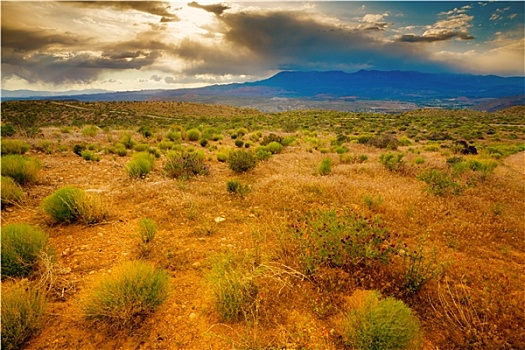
(241, 161)
(147, 230)
(22, 312)
(193, 135)
(234, 290)
(90, 130)
(21, 168)
(12, 193)
(274, 147)
(340, 239)
(237, 188)
(382, 323)
(69, 204)
(141, 165)
(371, 202)
(262, 153)
(325, 168)
(185, 165)
(347, 158)
(21, 245)
(127, 141)
(135, 288)
(14, 146)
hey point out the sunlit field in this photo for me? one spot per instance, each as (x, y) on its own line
(168, 225)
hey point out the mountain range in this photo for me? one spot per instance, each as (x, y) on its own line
(362, 90)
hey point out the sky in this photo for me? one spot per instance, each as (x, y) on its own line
(136, 45)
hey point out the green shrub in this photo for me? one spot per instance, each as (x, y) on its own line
(419, 160)
(185, 165)
(21, 168)
(393, 162)
(118, 149)
(271, 138)
(262, 153)
(78, 148)
(21, 245)
(193, 135)
(328, 238)
(239, 143)
(236, 187)
(373, 203)
(382, 324)
(141, 147)
(141, 165)
(174, 136)
(241, 161)
(274, 147)
(11, 191)
(203, 142)
(14, 146)
(145, 131)
(22, 312)
(69, 204)
(147, 230)
(90, 130)
(133, 289)
(45, 146)
(325, 168)
(439, 183)
(89, 155)
(234, 290)
(7, 130)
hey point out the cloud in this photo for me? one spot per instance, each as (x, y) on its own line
(373, 22)
(456, 25)
(170, 80)
(217, 9)
(156, 77)
(156, 8)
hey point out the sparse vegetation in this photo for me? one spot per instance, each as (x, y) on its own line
(185, 165)
(141, 165)
(325, 168)
(297, 266)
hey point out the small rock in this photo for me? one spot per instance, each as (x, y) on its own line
(192, 316)
(91, 272)
(196, 264)
(100, 234)
(219, 219)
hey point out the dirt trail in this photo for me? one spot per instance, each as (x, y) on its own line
(516, 162)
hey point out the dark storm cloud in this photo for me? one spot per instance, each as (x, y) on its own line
(441, 36)
(262, 41)
(27, 40)
(217, 9)
(157, 8)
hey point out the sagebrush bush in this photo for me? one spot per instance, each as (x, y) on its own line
(133, 289)
(234, 289)
(420, 267)
(7, 130)
(21, 168)
(262, 153)
(14, 146)
(241, 161)
(12, 193)
(185, 165)
(325, 168)
(21, 245)
(141, 165)
(382, 324)
(340, 239)
(22, 314)
(384, 141)
(69, 204)
(127, 141)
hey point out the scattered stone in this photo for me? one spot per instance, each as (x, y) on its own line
(219, 219)
(91, 272)
(100, 234)
(196, 264)
(192, 316)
